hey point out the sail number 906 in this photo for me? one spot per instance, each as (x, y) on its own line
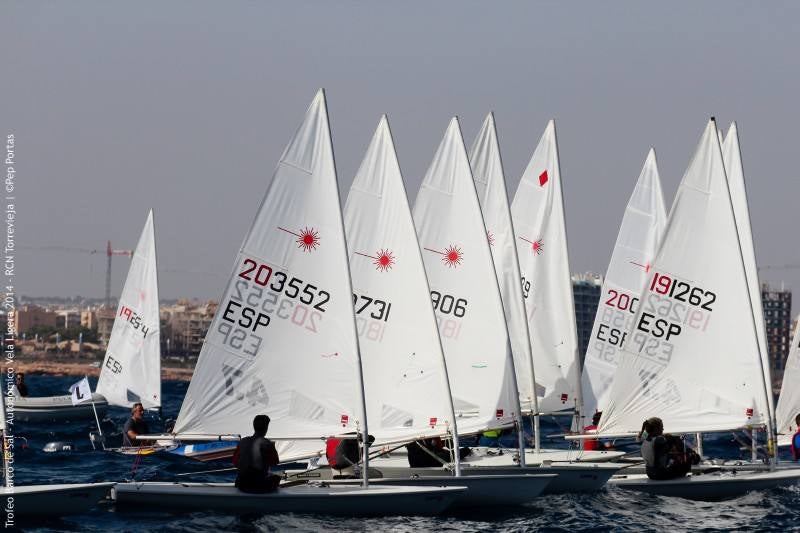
(446, 304)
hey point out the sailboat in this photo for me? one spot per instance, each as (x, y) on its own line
(41, 500)
(537, 213)
(487, 170)
(637, 241)
(405, 374)
(131, 369)
(284, 342)
(692, 354)
(789, 400)
(469, 310)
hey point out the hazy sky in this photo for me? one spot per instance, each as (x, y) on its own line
(185, 107)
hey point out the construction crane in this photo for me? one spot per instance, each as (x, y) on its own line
(109, 251)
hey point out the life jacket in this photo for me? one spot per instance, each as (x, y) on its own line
(342, 453)
(330, 451)
(591, 444)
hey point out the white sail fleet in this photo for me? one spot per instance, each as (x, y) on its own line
(456, 317)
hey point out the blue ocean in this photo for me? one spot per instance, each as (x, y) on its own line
(611, 509)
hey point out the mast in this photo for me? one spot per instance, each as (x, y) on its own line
(359, 369)
(534, 399)
(158, 314)
(576, 353)
(771, 421)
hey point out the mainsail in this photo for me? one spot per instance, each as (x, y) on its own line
(283, 341)
(464, 290)
(637, 241)
(490, 184)
(131, 370)
(538, 216)
(405, 378)
(691, 357)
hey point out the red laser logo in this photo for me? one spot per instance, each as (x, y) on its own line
(307, 238)
(452, 255)
(383, 259)
(537, 246)
(646, 267)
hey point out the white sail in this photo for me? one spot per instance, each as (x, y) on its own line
(732, 157)
(131, 370)
(789, 401)
(283, 342)
(538, 216)
(692, 355)
(629, 269)
(464, 290)
(405, 377)
(490, 184)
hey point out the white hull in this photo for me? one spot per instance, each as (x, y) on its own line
(711, 486)
(572, 477)
(55, 500)
(490, 457)
(482, 491)
(54, 408)
(334, 500)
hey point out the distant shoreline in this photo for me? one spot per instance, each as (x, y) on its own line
(83, 368)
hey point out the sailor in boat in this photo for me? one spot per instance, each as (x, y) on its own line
(665, 456)
(433, 452)
(345, 452)
(22, 388)
(135, 425)
(796, 440)
(254, 456)
(595, 444)
(592, 444)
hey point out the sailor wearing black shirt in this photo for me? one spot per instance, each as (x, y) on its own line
(135, 426)
(253, 458)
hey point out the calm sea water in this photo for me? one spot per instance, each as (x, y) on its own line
(611, 509)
